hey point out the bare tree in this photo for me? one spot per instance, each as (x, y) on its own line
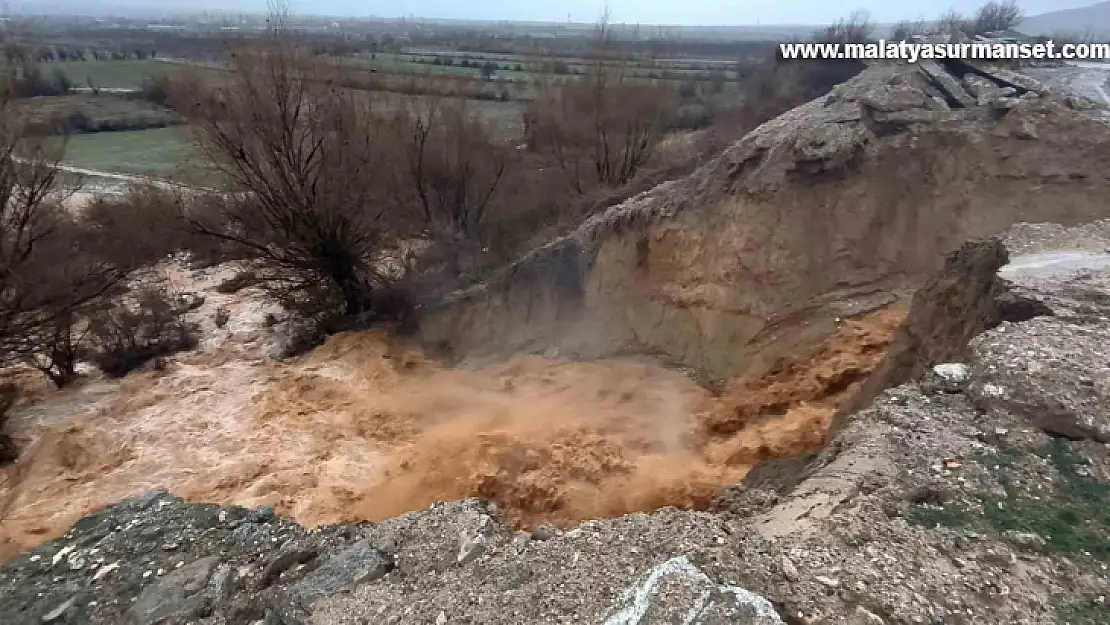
(603, 128)
(906, 30)
(953, 22)
(451, 170)
(51, 268)
(856, 28)
(302, 158)
(996, 15)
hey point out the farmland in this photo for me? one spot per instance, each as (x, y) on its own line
(498, 77)
(161, 153)
(120, 74)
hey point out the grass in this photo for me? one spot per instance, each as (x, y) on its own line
(127, 74)
(1072, 519)
(160, 152)
(1084, 614)
(420, 64)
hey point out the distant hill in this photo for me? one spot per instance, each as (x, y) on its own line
(1094, 19)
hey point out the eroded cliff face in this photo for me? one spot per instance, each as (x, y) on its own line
(839, 207)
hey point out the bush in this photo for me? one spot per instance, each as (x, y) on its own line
(906, 30)
(856, 28)
(994, 16)
(307, 166)
(156, 89)
(126, 335)
(449, 170)
(238, 282)
(223, 315)
(953, 22)
(600, 130)
(152, 221)
(8, 394)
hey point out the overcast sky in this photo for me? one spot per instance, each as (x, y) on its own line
(662, 11)
(679, 12)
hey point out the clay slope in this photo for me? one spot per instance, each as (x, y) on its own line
(838, 207)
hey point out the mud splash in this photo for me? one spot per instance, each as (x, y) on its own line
(364, 429)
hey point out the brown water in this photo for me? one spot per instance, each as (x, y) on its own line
(363, 429)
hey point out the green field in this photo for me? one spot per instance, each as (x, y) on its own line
(160, 152)
(121, 74)
(421, 63)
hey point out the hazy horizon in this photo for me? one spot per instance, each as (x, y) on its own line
(660, 12)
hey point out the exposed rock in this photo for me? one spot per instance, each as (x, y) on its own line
(862, 616)
(978, 86)
(789, 570)
(947, 83)
(59, 612)
(962, 301)
(358, 564)
(176, 598)
(473, 538)
(677, 591)
(223, 567)
(893, 98)
(1008, 78)
(1039, 371)
(953, 374)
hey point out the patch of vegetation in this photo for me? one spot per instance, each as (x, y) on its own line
(947, 515)
(1083, 614)
(1003, 457)
(83, 113)
(159, 152)
(126, 336)
(1074, 518)
(121, 74)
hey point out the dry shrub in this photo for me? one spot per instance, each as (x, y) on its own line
(856, 28)
(127, 334)
(306, 203)
(53, 266)
(150, 219)
(600, 130)
(241, 280)
(952, 22)
(8, 395)
(449, 169)
(223, 315)
(996, 15)
(906, 30)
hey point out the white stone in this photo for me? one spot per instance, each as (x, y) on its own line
(953, 372)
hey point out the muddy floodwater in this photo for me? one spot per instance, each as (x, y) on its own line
(365, 428)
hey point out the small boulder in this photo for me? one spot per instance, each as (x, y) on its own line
(177, 597)
(676, 591)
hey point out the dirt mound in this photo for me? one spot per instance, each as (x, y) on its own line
(838, 207)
